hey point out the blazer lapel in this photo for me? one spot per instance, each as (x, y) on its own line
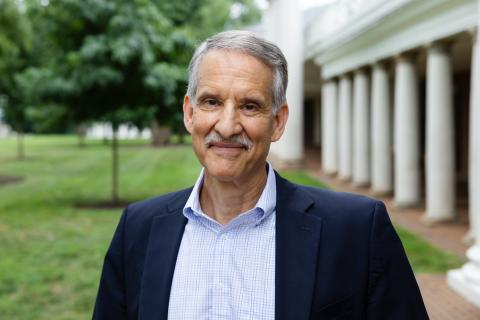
(165, 238)
(297, 245)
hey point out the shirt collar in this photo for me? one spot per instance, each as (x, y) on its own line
(265, 204)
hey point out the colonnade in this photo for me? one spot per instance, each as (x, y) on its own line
(360, 145)
(370, 142)
(371, 131)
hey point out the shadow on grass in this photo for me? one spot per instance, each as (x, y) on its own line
(6, 180)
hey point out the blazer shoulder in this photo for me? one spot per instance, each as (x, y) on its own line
(344, 198)
(341, 204)
(325, 199)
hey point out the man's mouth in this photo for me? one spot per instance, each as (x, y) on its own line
(227, 145)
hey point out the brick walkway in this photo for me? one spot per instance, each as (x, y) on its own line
(442, 302)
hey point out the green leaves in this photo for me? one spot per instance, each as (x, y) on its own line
(96, 56)
(122, 53)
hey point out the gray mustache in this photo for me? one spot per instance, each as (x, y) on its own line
(214, 137)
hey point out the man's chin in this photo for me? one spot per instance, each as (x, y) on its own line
(224, 173)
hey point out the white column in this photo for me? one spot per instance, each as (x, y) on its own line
(466, 280)
(289, 37)
(361, 129)
(271, 21)
(329, 127)
(406, 134)
(473, 179)
(317, 122)
(440, 160)
(345, 128)
(382, 182)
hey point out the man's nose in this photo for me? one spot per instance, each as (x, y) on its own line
(228, 123)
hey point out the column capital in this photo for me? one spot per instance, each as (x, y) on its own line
(329, 80)
(381, 63)
(472, 32)
(442, 45)
(410, 56)
(362, 69)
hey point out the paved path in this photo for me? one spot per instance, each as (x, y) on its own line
(442, 302)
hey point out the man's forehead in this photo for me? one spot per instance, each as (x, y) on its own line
(224, 64)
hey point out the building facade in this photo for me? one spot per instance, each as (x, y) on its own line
(389, 90)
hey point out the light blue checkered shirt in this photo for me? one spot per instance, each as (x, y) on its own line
(226, 272)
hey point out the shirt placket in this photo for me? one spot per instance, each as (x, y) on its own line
(222, 297)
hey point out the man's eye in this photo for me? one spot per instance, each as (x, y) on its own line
(250, 107)
(211, 102)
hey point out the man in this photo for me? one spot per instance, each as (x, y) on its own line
(244, 243)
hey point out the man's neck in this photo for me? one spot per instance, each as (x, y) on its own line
(225, 200)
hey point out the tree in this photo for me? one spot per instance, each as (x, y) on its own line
(15, 49)
(119, 57)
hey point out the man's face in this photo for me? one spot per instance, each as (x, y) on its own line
(231, 120)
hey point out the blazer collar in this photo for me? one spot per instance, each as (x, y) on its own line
(163, 245)
(297, 246)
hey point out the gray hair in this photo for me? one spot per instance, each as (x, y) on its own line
(248, 43)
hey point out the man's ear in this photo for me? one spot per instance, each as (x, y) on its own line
(188, 113)
(280, 121)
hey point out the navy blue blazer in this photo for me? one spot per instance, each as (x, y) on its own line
(337, 257)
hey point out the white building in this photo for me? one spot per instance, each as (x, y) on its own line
(5, 130)
(389, 90)
(103, 130)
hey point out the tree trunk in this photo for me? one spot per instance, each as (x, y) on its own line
(81, 132)
(160, 134)
(20, 147)
(115, 198)
(181, 138)
(105, 133)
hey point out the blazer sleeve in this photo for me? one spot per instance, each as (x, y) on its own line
(393, 292)
(111, 301)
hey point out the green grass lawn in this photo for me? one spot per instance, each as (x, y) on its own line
(51, 252)
(424, 257)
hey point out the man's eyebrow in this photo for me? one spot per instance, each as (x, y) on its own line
(253, 99)
(207, 94)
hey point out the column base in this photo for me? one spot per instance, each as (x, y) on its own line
(344, 178)
(466, 280)
(468, 238)
(381, 192)
(430, 219)
(458, 281)
(402, 204)
(361, 184)
(330, 172)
